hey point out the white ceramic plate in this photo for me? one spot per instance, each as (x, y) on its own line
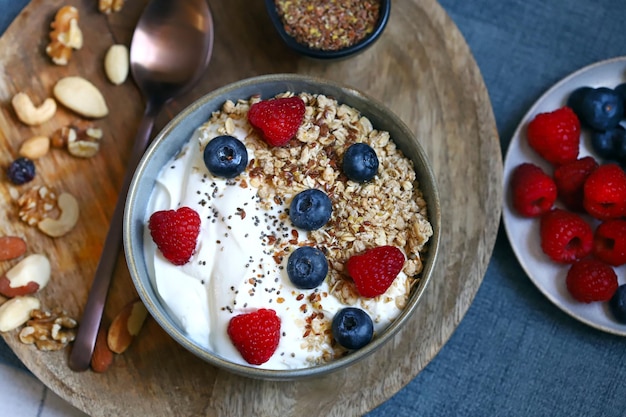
(523, 233)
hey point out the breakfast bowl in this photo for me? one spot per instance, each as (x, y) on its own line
(247, 235)
(330, 30)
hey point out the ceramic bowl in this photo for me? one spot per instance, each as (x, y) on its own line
(169, 142)
(291, 42)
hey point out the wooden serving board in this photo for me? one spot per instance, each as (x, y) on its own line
(421, 67)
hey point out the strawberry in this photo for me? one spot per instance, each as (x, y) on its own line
(604, 193)
(374, 270)
(609, 242)
(534, 191)
(591, 280)
(570, 180)
(555, 135)
(565, 236)
(278, 119)
(255, 335)
(175, 232)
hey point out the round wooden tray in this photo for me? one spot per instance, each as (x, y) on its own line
(421, 67)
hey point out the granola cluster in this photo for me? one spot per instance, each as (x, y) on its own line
(389, 210)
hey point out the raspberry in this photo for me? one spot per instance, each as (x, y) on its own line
(609, 242)
(555, 136)
(278, 119)
(534, 192)
(565, 237)
(591, 280)
(175, 233)
(604, 193)
(255, 335)
(570, 180)
(374, 270)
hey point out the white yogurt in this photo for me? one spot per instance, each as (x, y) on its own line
(234, 270)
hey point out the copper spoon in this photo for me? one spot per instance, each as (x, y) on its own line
(169, 52)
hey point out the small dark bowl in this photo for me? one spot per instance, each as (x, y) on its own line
(385, 11)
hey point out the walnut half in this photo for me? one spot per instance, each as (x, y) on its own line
(49, 331)
(81, 139)
(110, 6)
(64, 36)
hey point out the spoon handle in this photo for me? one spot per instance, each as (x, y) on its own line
(80, 357)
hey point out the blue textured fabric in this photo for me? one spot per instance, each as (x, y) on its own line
(514, 354)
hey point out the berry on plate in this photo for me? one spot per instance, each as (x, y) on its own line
(590, 280)
(255, 335)
(352, 328)
(570, 180)
(575, 99)
(609, 242)
(307, 267)
(617, 304)
(175, 232)
(534, 191)
(360, 163)
(225, 156)
(310, 209)
(609, 144)
(601, 108)
(278, 119)
(565, 236)
(605, 192)
(555, 135)
(374, 270)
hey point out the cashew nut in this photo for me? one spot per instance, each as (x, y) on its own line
(66, 221)
(28, 113)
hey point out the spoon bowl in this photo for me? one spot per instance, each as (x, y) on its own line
(166, 58)
(169, 52)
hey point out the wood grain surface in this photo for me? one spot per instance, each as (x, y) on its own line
(421, 68)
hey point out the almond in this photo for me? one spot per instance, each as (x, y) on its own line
(102, 356)
(16, 312)
(81, 96)
(34, 268)
(11, 247)
(126, 325)
(35, 147)
(116, 64)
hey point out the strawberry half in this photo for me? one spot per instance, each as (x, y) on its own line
(374, 270)
(175, 232)
(255, 335)
(278, 119)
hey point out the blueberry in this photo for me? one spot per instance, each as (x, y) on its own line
(360, 162)
(621, 90)
(352, 328)
(619, 147)
(307, 267)
(225, 156)
(607, 144)
(617, 304)
(21, 171)
(601, 108)
(575, 99)
(310, 209)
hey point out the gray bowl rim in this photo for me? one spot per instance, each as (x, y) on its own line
(201, 109)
